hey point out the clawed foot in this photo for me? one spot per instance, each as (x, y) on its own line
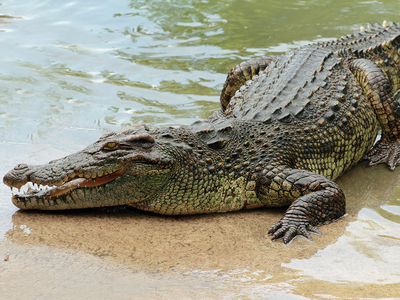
(385, 151)
(289, 229)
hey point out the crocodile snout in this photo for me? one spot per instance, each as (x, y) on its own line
(21, 167)
(18, 176)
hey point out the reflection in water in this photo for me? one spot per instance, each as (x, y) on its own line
(375, 245)
(72, 70)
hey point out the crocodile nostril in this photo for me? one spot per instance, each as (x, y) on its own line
(21, 167)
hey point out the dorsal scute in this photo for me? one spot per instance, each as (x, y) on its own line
(215, 133)
(284, 92)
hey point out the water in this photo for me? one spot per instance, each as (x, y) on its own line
(73, 70)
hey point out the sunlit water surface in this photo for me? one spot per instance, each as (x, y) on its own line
(70, 71)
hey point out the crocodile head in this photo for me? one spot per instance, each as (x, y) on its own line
(121, 168)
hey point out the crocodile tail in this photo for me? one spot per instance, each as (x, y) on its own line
(386, 56)
(367, 37)
(238, 76)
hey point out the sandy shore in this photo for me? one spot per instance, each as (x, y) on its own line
(154, 244)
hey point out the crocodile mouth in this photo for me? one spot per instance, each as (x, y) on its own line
(40, 190)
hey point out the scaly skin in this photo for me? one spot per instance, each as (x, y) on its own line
(287, 127)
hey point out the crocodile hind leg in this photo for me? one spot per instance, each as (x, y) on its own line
(238, 76)
(387, 109)
(314, 199)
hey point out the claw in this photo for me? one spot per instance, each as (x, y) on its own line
(275, 227)
(385, 150)
(290, 232)
(314, 230)
(278, 234)
(393, 159)
(377, 160)
(303, 231)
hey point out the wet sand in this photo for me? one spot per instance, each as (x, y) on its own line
(198, 251)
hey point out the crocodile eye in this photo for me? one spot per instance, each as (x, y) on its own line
(110, 146)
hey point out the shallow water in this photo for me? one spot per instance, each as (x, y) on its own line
(73, 70)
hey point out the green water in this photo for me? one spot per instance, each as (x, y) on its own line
(70, 71)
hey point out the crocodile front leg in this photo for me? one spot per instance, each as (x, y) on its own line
(387, 109)
(315, 201)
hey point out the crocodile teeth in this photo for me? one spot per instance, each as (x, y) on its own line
(30, 188)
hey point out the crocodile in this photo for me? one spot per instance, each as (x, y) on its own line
(288, 126)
